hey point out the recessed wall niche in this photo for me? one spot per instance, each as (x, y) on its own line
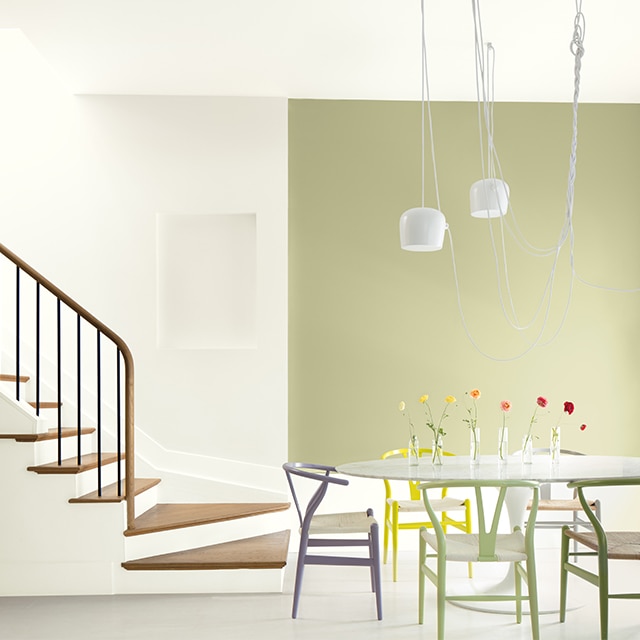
(206, 281)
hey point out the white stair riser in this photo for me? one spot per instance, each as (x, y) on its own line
(87, 481)
(218, 581)
(152, 544)
(107, 578)
(146, 500)
(47, 450)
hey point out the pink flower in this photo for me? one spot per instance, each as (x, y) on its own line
(541, 402)
(505, 405)
(569, 407)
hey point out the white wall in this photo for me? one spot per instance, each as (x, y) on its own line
(82, 181)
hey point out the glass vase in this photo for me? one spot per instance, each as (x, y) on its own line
(413, 453)
(503, 444)
(436, 450)
(474, 445)
(527, 449)
(554, 449)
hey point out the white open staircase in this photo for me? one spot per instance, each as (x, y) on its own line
(60, 538)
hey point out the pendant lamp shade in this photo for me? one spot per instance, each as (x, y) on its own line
(422, 229)
(489, 198)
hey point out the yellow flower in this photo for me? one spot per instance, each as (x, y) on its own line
(424, 398)
(449, 399)
(401, 406)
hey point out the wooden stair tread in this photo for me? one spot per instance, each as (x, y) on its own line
(51, 434)
(52, 404)
(71, 466)
(110, 493)
(164, 517)
(11, 377)
(267, 551)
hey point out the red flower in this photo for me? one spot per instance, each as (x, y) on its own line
(569, 407)
(542, 402)
(583, 427)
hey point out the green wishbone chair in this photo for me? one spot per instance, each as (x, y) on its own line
(412, 503)
(605, 545)
(486, 546)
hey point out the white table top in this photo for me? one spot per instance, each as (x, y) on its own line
(458, 467)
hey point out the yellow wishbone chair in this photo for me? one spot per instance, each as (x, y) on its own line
(394, 508)
(486, 546)
(604, 545)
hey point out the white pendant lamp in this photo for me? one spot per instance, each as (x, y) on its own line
(422, 229)
(489, 198)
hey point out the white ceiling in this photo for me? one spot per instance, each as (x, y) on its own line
(332, 49)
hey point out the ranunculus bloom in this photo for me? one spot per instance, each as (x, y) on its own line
(424, 398)
(474, 393)
(505, 405)
(401, 406)
(583, 427)
(569, 407)
(449, 399)
(542, 402)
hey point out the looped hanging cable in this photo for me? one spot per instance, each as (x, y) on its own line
(579, 26)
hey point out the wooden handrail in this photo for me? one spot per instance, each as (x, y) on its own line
(129, 481)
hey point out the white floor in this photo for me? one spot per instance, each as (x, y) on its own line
(336, 603)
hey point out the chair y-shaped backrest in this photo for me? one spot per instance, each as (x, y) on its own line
(319, 473)
(488, 545)
(395, 508)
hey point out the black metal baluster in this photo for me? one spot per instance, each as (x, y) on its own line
(17, 333)
(37, 348)
(79, 390)
(99, 420)
(118, 422)
(59, 340)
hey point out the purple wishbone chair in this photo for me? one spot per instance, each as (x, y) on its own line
(313, 525)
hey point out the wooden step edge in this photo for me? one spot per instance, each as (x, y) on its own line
(11, 377)
(46, 405)
(71, 466)
(51, 434)
(110, 492)
(268, 551)
(166, 517)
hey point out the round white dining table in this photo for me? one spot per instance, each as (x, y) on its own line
(541, 469)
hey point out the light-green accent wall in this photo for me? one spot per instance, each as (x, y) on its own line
(371, 325)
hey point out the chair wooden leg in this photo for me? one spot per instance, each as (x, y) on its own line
(467, 519)
(387, 524)
(302, 552)
(532, 587)
(421, 560)
(375, 568)
(564, 558)
(603, 592)
(518, 592)
(442, 593)
(394, 539)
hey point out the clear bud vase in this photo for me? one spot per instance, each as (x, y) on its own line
(436, 450)
(414, 451)
(554, 449)
(474, 445)
(527, 449)
(503, 444)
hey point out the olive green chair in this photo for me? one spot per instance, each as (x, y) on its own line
(605, 545)
(485, 546)
(395, 507)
